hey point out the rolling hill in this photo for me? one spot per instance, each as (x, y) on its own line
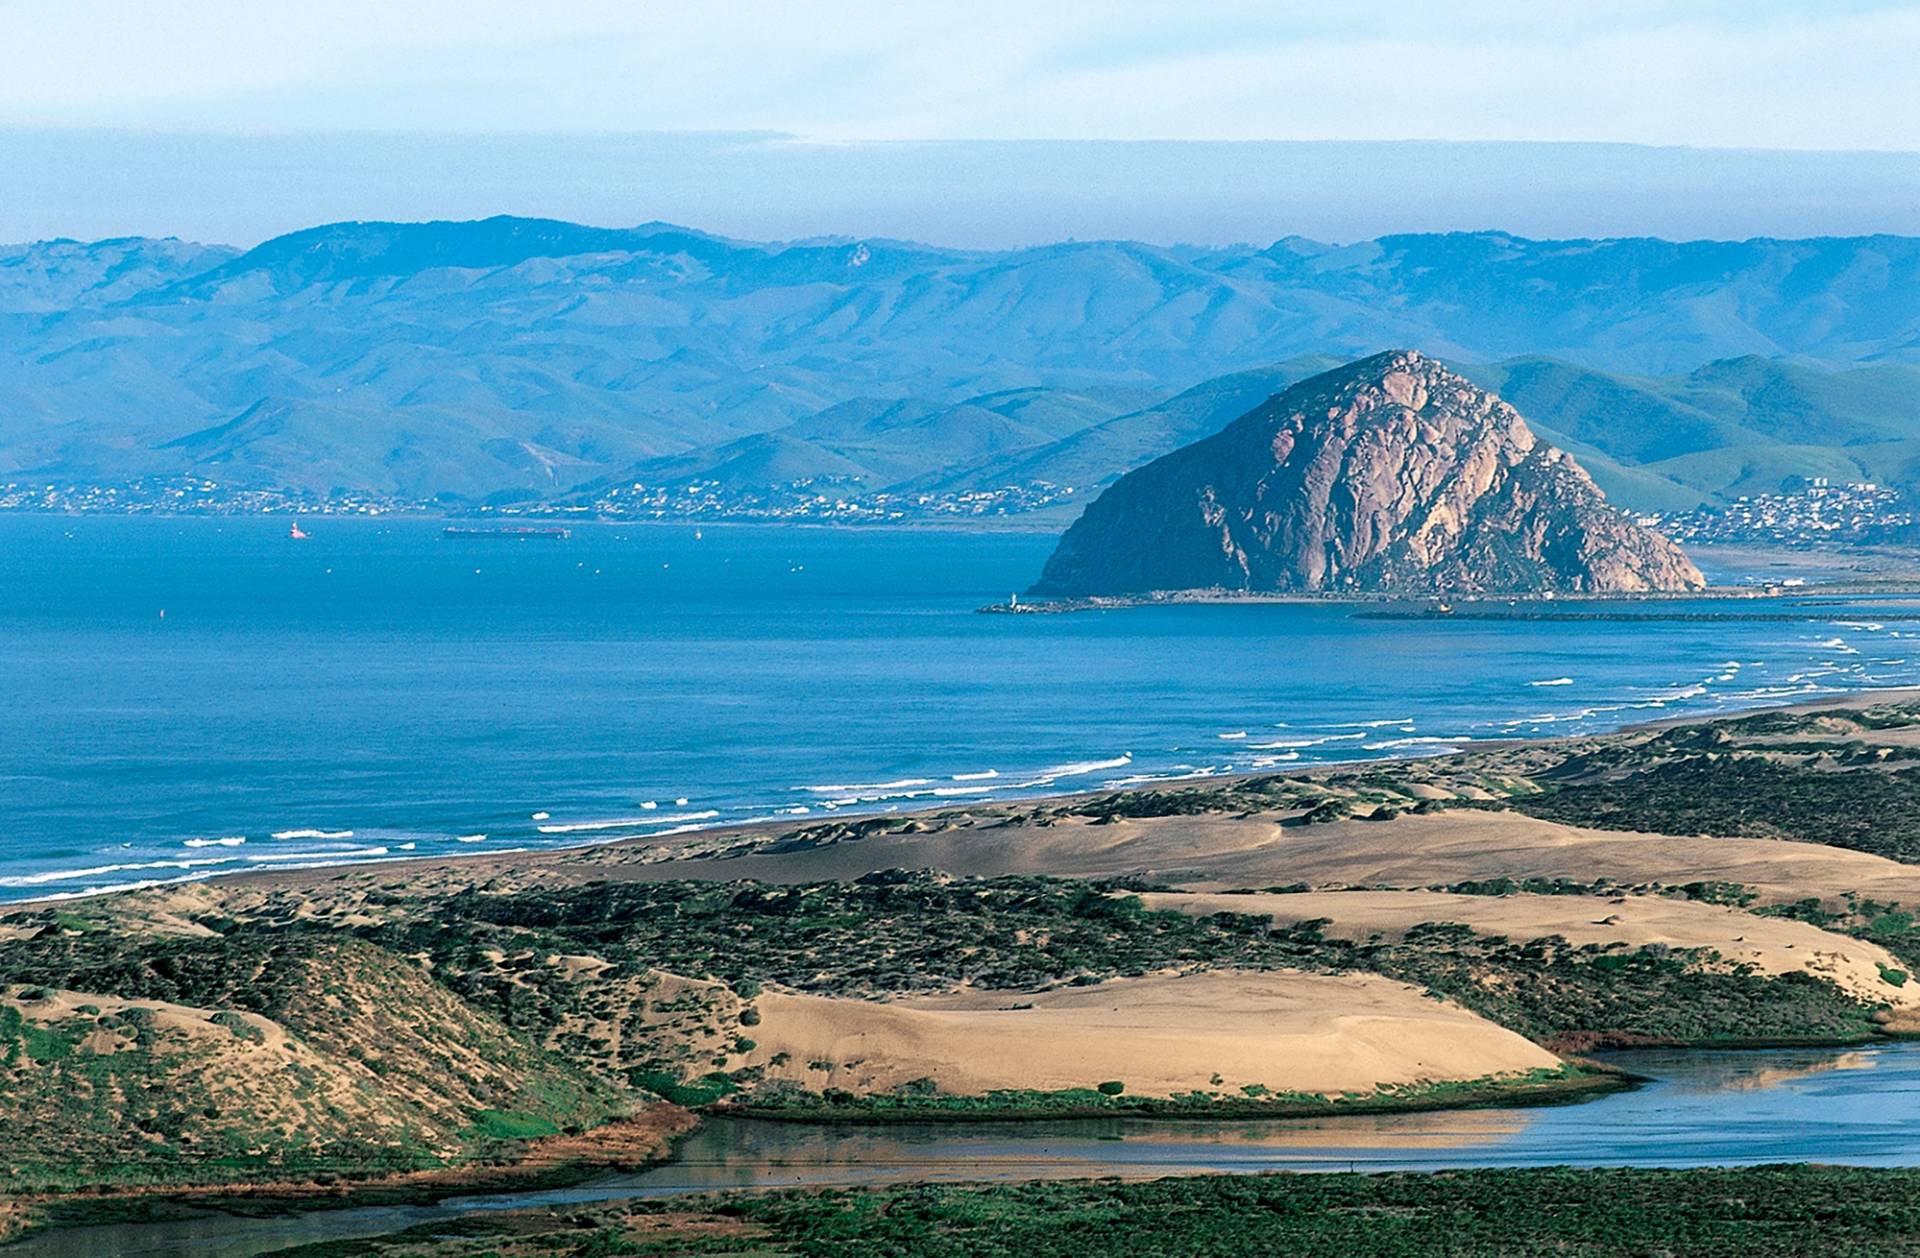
(1732, 427)
(530, 357)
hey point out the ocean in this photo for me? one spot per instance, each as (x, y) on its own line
(181, 698)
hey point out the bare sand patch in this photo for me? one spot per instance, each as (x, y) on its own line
(61, 1005)
(1772, 945)
(1217, 851)
(1290, 1032)
(1449, 847)
(1205, 852)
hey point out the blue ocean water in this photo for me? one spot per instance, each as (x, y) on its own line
(377, 692)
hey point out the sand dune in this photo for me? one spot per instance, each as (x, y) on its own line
(1218, 851)
(1206, 852)
(1453, 847)
(1160, 1035)
(1772, 945)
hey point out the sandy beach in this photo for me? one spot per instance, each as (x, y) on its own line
(1209, 852)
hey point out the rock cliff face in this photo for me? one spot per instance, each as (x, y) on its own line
(1391, 474)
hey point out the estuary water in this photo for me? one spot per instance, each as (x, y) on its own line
(181, 698)
(1701, 1108)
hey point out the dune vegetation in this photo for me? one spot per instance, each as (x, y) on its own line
(1764, 1212)
(1439, 926)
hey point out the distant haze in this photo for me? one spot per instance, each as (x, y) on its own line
(240, 189)
(531, 357)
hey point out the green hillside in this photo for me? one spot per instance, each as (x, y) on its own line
(1733, 427)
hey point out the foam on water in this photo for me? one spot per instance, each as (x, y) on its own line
(1190, 774)
(50, 876)
(336, 854)
(621, 823)
(900, 784)
(1307, 742)
(429, 704)
(1083, 767)
(1397, 744)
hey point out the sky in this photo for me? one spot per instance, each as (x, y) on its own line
(230, 120)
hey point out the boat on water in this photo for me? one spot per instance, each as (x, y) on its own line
(508, 532)
(296, 533)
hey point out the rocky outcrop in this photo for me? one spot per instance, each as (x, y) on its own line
(1390, 475)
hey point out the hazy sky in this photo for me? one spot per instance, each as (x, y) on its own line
(1737, 73)
(276, 88)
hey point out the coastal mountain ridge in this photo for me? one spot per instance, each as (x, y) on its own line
(513, 358)
(1392, 474)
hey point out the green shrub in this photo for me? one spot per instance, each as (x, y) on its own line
(496, 1124)
(705, 1090)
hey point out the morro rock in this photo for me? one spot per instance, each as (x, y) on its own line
(1388, 475)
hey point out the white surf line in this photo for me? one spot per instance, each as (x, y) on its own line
(623, 823)
(48, 877)
(858, 788)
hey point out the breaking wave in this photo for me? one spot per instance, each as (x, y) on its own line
(622, 823)
(866, 788)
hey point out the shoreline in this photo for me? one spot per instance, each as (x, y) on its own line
(531, 1175)
(526, 1184)
(292, 875)
(1581, 1081)
(1578, 1081)
(958, 524)
(1484, 605)
(660, 1131)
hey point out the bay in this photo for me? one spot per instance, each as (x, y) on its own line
(174, 693)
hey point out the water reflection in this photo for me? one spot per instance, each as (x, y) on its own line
(1856, 1106)
(1688, 1073)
